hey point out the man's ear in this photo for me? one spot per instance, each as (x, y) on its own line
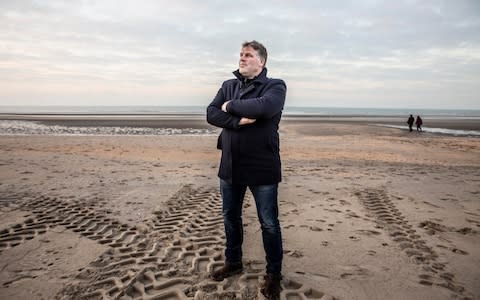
(262, 61)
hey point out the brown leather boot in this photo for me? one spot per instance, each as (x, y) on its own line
(229, 269)
(271, 287)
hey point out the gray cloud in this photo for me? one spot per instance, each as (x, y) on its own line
(351, 53)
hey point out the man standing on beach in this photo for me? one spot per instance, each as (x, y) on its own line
(249, 109)
(410, 122)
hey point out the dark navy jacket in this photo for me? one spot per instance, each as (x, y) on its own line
(250, 153)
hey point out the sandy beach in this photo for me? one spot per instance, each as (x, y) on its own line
(367, 212)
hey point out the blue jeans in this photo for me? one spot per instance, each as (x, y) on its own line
(267, 211)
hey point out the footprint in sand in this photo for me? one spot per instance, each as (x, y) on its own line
(368, 232)
(466, 230)
(354, 271)
(352, 215)
(459, 251)
(294, 253)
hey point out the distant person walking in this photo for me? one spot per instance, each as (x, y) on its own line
(419, 123)
(410, 123)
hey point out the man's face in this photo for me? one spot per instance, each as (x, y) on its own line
(249, 64)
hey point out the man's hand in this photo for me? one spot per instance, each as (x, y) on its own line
(243, 121)
(246, 121)
(224, 106)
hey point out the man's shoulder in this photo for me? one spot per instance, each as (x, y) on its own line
(276, 81)
(269, 81)
(230, 82)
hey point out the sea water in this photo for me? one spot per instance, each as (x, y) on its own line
(14, 127)
(288, 110)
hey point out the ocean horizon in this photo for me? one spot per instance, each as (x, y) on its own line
(288, 110)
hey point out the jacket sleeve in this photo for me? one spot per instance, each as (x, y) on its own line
(219, 118)
(264, 107)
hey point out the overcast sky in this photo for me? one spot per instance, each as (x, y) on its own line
(403, 54)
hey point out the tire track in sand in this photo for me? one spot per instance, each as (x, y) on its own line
(168, 257)
(388, 217)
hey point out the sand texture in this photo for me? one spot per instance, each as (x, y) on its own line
(366, 213)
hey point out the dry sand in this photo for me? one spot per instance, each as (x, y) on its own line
(367, 213)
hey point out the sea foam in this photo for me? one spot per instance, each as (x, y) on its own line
(14, 127)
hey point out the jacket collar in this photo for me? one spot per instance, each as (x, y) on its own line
(262, 77)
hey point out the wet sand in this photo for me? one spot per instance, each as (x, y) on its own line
(198, 121)
(367, 213)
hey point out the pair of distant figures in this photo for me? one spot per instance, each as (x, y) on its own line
(418, 122)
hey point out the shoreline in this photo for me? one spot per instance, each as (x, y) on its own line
(198, 121)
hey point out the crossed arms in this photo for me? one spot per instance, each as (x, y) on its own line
(235, 113)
